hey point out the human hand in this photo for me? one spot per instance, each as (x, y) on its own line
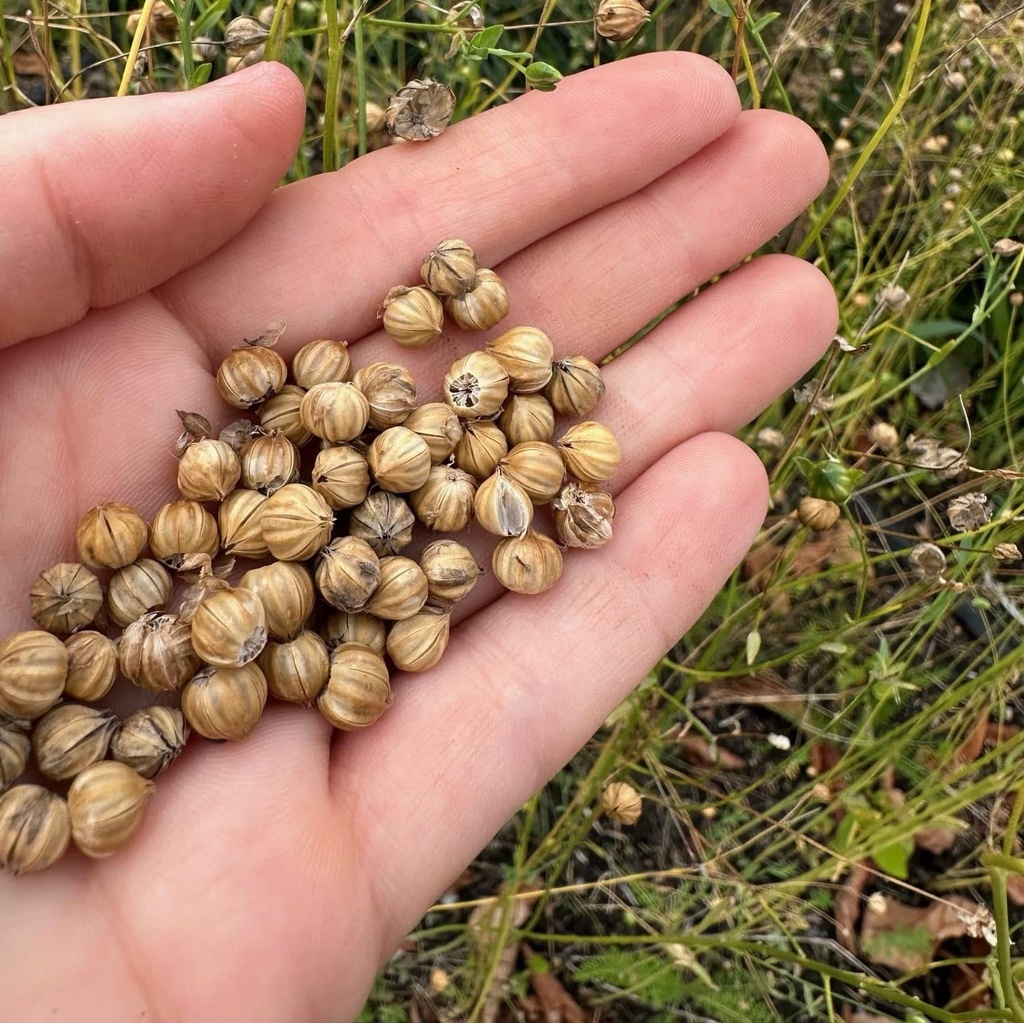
(143, 239)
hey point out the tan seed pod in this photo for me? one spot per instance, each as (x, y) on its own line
(399, 460)
(282, 414)
(525, 354)
(402, 590)
(35, 829)
(341, 476)
(252, 373)
(33, 668)
(413, 317)
(347, 573)
(136, 590)
(182, 528)
(451, 572)
(482, 447)
(240, 521)
(590, 452)
(156, 653)
(269, 462)
(296, 522)
(450, 268)
(225, 703)
(111, 536)
(620, 20)
(817, 514)
(296, 671)
(537, 467)
(229, 628)
(92, 666)
(335, 411)
(208, 470)
(69, 738)
(15, 747)
(502, 507)
(483, 307)
(244, 34)
(418, 643)
(420, 110)
(531, 563)
(884, 435)
(622, 803)
(576, 386)
(583, 516)
(286, 591)
(346, 627)
(390, 390)
(444, 504)
(384, 521)
(527, 417)
(476, 385)
(358, 689)
(65, 598)
(150, 739)
(439, 427)
(322, 362)
(107, 803)
(237, 434)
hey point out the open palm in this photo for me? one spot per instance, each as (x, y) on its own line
(142, 239)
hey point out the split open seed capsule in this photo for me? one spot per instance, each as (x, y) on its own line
(390, 391)
(33, 668)
(358, 690)
(35, 829)
(583, 516)
(150, 739)
(106, 803)
(156, 652)
(65, 598)
(502, 506)
(225, 703)
(136, 590)
(476, 385)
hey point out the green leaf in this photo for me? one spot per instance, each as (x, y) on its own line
(894, 859)
(200, 75)
(723, 8)
(543, 76)
(210, 17)
(765, 21)
(480, 45)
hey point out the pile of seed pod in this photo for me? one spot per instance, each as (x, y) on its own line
(320, 491)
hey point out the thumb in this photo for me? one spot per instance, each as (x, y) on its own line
(106, 198)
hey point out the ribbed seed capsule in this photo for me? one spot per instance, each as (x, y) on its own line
(156, 653)
(384, 521)
(527, 417)
(65, 598)
(136, 590)
(525, 354)
(482, 447)
(15, 747)
(483, 307)
(341, 476)
(92, 666)
(150, 739)
(240, 520)
(335, 411)
(450, 268)
(537, 467)
(444, 503)
(282, 414)
(111, 536)
(346, 627)
(347, 573)
(439, 426)
(208, 470)
(321, 362)
(33, 668)
(531, 563)
(590, 452)
(269, 461)
(251, 374)
(358, 689)
(390, 391)
(451, 572)
(620, 20)
(476, 385)
(69, 738)
(35, 829)
(502, 506)
(107, 803)
(296, 671)
(182, 528)
(399, 460)
(225, 703)
(576, 386)
(402, 590)
(413, 317)
(229, 628)
(418, 643)
(583, 516)
(286, 591)
(296, 522)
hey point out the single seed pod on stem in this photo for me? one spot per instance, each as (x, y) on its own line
(476, 385)
(296, 522)
(413, 317)
(269, 461)
(482, 447)
(530, 564)
(282, 414)
(420, 110)
(322, 362)
(621, 803)
(182, 528)
(583, 516)
(502, 506)
(418, 643)
(225, 703)
(15, 747)
(341, 476)
(244, 34)
(590, 452)
(390, 390)
(136, 590)
(399, 460)
(106, 803)
(483, 307)
(359, 627)
(111, 536)
(384, 521)
(335, 411)
(348, 573)
(150, 739)
(156, 653)
(576, 386)
(451, 572)
(527, 417)
(450, 268)
(620, 20)
(286, 591)
(444, 504)
(358, 689)
(296, 671)
(439, 427)
(525, 354)
(537, 467)
(65, 598)
(817, 514)
(402, 590)
(35, 829)
(69, 738)
(33, 668)
(253, 372)
(240, 521)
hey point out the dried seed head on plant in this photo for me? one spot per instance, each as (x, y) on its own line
(65, 598)
(420, 110)
(619, 20)
(243, 35)
(413, 317)
(884, 435)
(484, 306)
(969, 511)
(1006, 552)
(817, 514)
(622, 803)
(927, 561)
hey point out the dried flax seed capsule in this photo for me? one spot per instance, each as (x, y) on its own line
(348, 573)
(335, 411)
(358, 689)
(347, 627)
(531, 563)
(576, 386)
(482, 447)
(476, 385)
(296, 522)
(253, 372)
(182, 528)
(268, 462)
(450, 268)
(590, 451)
(483, 307)
(537, 467)
(286, 591)
(136, 590)
(525, 354)
(413, 317)
(33, 669)
(444, 504)
(106, 803)
(282, 414)
(229, 628)
(225, 703)
(419, 642)
(15, 747)
(35, 829)
(620, 20)
(384, 521)
(296, 671)
(69, 738)
(341, 476)
(402, 591)
(92, 666)
(322, 362)
(208, 470)
(150, 739)
(583, 516)
(451, 572)
(156, 653)
(390, 391)
(111, 536)
(399, 460)
(527, 417)
(439, 426)
(622, 803)
(65, 598)
(239, 519)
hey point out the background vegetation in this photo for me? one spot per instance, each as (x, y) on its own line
(831, 761)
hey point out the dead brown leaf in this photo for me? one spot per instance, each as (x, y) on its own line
(970, 749)
(937, 839)
(699, 752)
(557, 1005)
(28, 62)
(905, 937)
(1015, 888)
(997, 732)
(847, 906)
(764, 689)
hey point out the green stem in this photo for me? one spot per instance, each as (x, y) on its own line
(330, 145)
(360, 83)
(997, 865)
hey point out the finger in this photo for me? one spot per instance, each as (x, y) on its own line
(106, 199)
(326, 250)
(527, 681)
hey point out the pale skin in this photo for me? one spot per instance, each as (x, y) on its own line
(142, 239)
